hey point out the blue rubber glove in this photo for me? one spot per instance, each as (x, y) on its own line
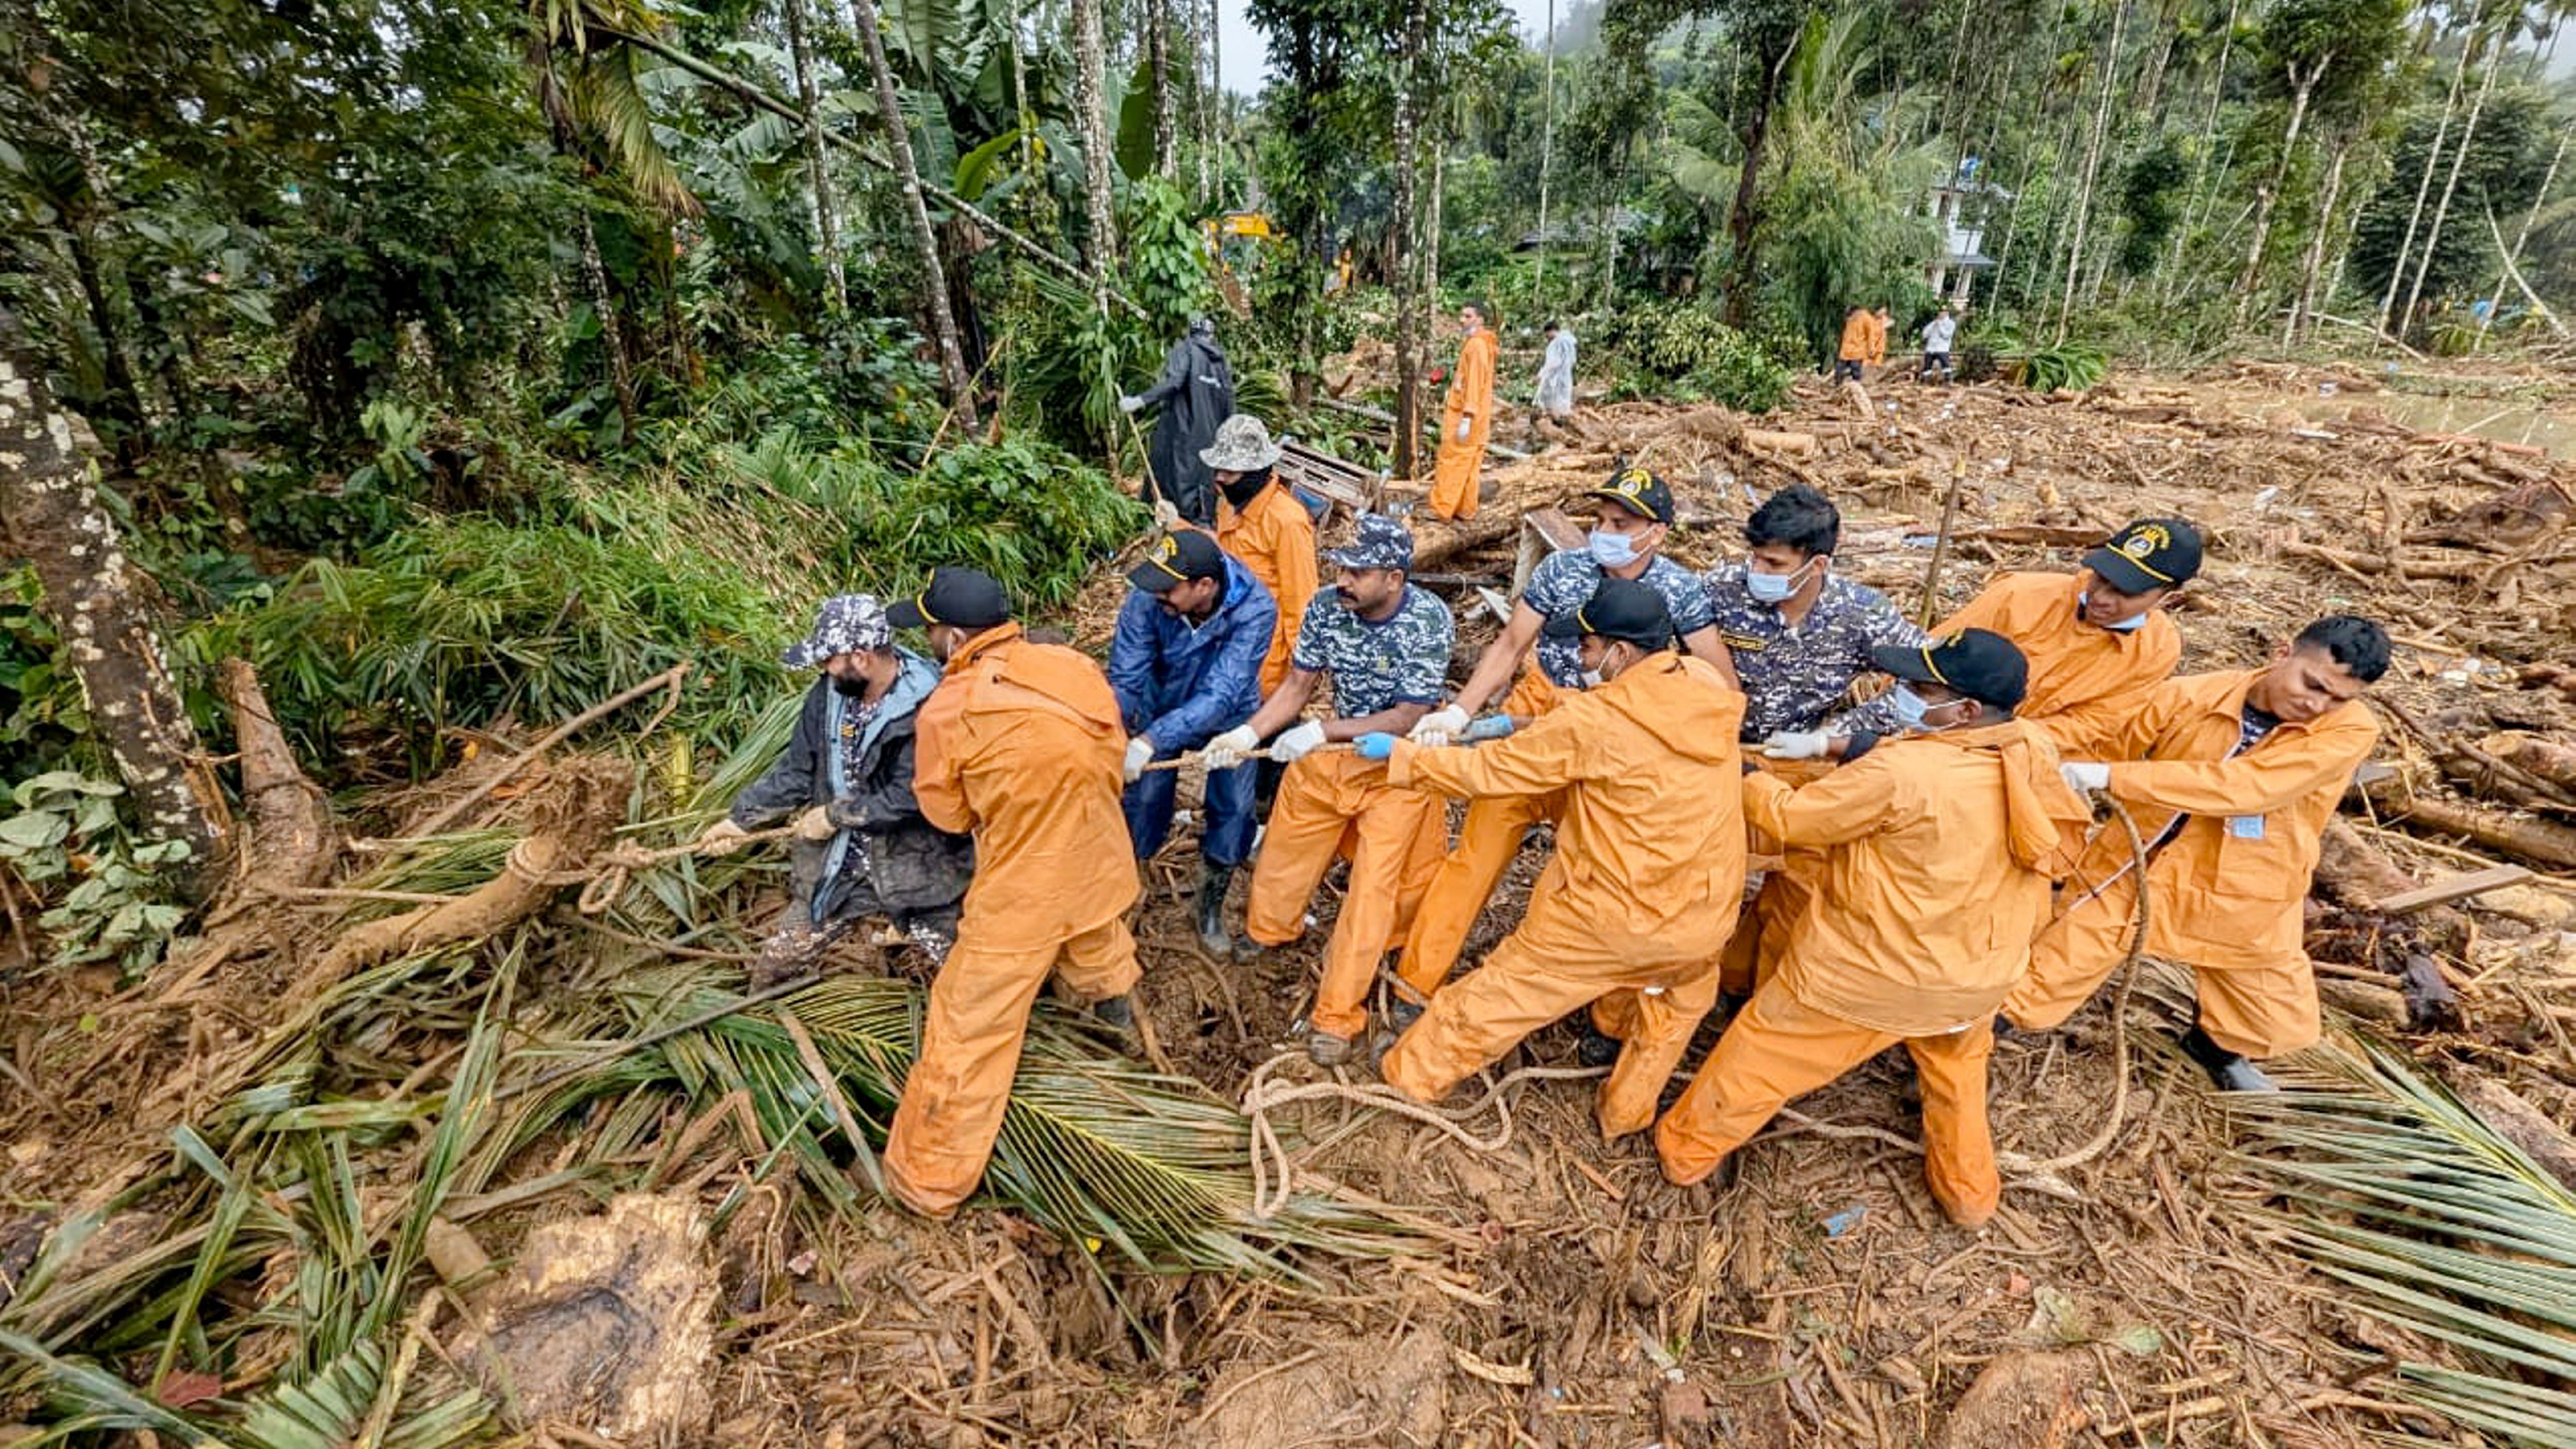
(1491, 727)
(1378, 746)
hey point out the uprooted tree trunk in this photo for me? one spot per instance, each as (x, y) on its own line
(289, 840)
(579, 804)
(52, 516)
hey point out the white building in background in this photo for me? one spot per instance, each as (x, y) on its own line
(1961, 206)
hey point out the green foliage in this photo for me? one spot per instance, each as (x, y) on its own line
(2151, 205)
(42, 714)
(1689, 344)
(117, 907)
(2071, 366)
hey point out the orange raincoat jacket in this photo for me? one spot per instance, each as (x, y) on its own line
(2229, 888)
(1858, 330)
(1639, 896)
(1275, 540)
(1471, 396)
(1920, 922)
(2085, 682)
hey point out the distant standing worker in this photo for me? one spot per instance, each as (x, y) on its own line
(1186, 665)
(1854, 352)
(1879, 323)
(862, 847)
(2232, 777)
(1936, 343)
(1556, 374)
(1019, 744)
(1466, 419)
(1195, 392)
(1386, 644)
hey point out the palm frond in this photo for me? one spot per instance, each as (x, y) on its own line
(2439, 1225)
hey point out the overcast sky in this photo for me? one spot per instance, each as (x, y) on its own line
(1243, 53)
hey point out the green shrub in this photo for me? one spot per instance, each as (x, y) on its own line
(1688, 344)
(64, 832)
(2069, 365)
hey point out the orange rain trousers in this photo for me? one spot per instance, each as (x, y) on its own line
(1489, 837)
(1761, 936)
(1339, 804)
(1471, 395)
(2255, 1011)
(1780, 1049)
(954, 1098)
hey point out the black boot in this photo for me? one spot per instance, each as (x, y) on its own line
(1118, 1013)
(2231, 1072)
(1598, 1048)
(1208, 912)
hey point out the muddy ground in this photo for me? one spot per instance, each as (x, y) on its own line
(1565, 1295)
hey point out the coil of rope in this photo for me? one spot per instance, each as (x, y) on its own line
(602, 884)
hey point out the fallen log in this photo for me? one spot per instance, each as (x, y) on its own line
(291, 839)
(2543, 843)
(2520, 1123)
(2460, 571)
(2535, 754)
(1801, 445)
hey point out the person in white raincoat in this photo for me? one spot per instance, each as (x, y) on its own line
(1556, 373)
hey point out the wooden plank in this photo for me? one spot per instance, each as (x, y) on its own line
(1543, 531)
(2454, 888)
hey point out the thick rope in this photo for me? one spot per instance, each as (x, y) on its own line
(602, 885)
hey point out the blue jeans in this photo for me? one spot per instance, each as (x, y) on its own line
(1226, 838)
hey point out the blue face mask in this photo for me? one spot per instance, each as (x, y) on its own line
(1612, 550)
(1774, 588)
(1909, 707)
(2125, 626)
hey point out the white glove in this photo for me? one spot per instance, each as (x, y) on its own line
(1439, 727)
(1297, 741)
(1795, 745)
(1465, 426)
(1227, 750)
(722, 838)
(1140, 750)
(2084, 778)
(816, 824)
(1129, 403)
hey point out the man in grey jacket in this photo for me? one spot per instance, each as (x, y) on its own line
(1195, 393)
(861, 846)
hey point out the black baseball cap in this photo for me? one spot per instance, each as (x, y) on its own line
(1176, 558)
(1638, 491)
(966, 598)
(2151, 553)
(1978, 663)
(1618, 609)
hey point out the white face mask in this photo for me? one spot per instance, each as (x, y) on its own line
(1612, 550)
(1911, 708)
(1592, 679)
(2129, 625)
(1774, 588)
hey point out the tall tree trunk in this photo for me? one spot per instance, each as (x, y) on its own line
(2451, 183)
(925, 242)
(2196, 210)
(827, 225)
(52, 515)
(1745, 217)
(2092, 167)
(1158, 46)
(2513, 256)
(2423, 189)
(1024, 116)
(1202, 33)
(612, 329)
(1546, 145)
(2304, 308)
(1409, 338)
(1089, 99)
(124, 399)
(2302, 86)
(1431, 227)
(1214, 138)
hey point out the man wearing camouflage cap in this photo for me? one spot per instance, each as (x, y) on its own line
(1386, 644)
(862, 847)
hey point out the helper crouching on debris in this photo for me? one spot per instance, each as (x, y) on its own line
(862, 847)
(1939, 849)
(1386, 644)
(1636, 512)
(1020, 744)
(1649, 865)
(1186, 665)
(2098, 642)
(2231, 778)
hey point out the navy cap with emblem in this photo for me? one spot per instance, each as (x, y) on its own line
(2151, 553)
(1638, 491)
(1978, 663)
(1177, 558)
(1618, 609)
(966, 598)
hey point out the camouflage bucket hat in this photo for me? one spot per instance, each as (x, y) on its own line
(1381, 543)
(1242, 446)
(845, 623)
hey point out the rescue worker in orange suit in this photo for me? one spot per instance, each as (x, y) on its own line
(1636, 513)
(1940, 847)
(1649, 866)
(1465, 419)
(1880, 322)
(1853, 354)
(1386, 644)
(1260, 522)
(2098, 642)
(1020, 744)
(2231, 778)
